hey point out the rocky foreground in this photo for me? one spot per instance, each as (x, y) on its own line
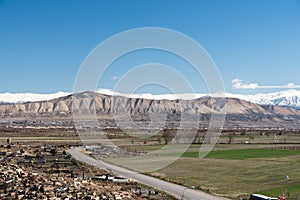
(28, 172)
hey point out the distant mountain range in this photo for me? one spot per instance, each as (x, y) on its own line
(288, 98)
(29, 97)
(104, 105)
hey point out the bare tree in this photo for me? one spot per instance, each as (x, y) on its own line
(168, 135)
(230, 138)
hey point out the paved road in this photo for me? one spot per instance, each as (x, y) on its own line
(173, 189)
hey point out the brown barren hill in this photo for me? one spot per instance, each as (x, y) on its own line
(106, 105)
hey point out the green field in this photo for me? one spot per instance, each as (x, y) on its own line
(291, 190)
(238, 170)
(231, 170)
(245, 153)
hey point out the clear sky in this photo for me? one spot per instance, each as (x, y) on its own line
(43, 43)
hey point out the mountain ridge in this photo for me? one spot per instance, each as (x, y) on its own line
(288, 98)
(106, 106)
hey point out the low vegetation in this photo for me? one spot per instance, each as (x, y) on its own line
(245, 154)
(243, 162)
(232, 172)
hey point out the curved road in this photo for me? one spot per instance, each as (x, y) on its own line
(171, 188)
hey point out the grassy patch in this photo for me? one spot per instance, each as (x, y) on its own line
(233, 177)
(232, 171)
(242, 154)
(291, 190)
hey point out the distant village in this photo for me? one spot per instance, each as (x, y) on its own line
(60, 124)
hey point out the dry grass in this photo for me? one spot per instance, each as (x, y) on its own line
(232, 177)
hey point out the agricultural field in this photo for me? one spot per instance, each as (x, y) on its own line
(237, 172)
(233, 169)
(236, 169)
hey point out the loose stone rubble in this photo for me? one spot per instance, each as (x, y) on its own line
(33, 172)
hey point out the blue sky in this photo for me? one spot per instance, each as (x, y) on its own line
(43, 43)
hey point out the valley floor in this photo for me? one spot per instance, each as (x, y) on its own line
(233, 170)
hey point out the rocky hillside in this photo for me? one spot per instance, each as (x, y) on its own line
(287, 98)
(106, 105)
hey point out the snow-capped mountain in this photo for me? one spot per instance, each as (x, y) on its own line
(288, 98)
(29, 97)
